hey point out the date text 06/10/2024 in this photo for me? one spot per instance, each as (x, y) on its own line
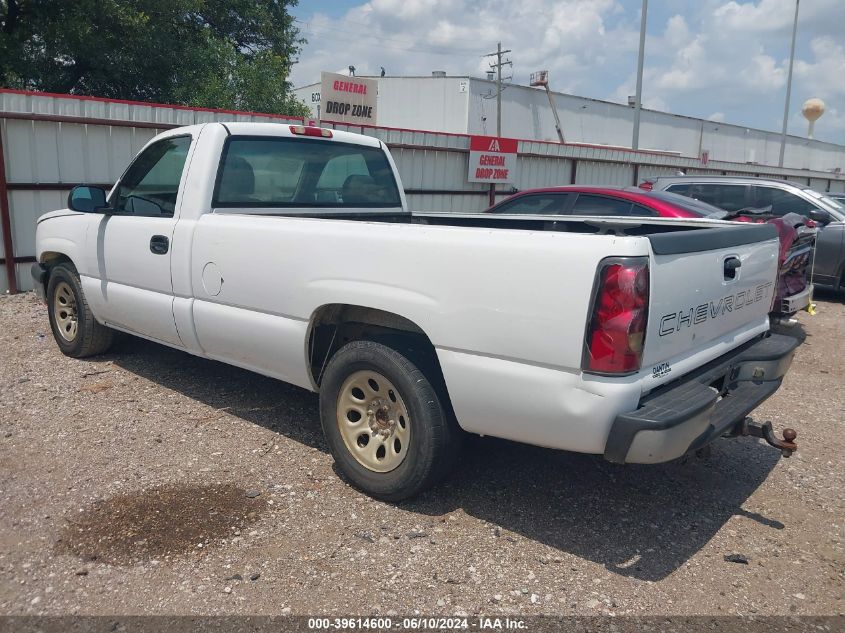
(480, 623)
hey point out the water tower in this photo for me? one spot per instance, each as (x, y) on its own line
(812, 110)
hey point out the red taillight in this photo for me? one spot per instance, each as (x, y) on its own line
(647, 185)
(616, 330)
(307, 130)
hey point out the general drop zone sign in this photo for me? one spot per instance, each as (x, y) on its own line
(348, 99)
(491, 159)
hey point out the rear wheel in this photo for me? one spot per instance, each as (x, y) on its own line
(76, 331)
(388, 428)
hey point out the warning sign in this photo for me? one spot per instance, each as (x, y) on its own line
(348, 99)
(492, 159)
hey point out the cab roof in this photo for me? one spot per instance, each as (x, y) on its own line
(249, 128)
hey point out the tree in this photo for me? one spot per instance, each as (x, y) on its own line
(232, 54)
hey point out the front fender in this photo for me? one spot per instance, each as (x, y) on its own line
(61, 236)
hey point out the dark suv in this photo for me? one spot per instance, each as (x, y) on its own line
(778, 197)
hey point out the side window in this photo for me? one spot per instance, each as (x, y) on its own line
(640, 211)
(150, 185)
(286, 172)
(587, 204)
(681, 190)
(727, 197)
(534, 204)
(782, 202)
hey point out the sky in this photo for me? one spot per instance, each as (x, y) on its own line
(715, 59)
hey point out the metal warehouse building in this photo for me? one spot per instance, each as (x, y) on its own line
(467, 105)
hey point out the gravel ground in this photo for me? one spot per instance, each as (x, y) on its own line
(149, 481)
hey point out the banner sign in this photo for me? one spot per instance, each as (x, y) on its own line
(348, 99)
(492, 159)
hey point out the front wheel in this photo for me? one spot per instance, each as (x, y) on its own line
(385, 423)
(76, 331)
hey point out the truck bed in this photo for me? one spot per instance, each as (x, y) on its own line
(590, 225)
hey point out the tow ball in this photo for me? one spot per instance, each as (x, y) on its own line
(786, 446)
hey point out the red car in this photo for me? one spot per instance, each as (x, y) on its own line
(796, 242)
(583, 200)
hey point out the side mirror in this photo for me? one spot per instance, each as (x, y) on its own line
(87, 199)
(821, 216)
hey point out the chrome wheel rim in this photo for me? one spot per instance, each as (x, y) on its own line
(373, 421)
(64, 311)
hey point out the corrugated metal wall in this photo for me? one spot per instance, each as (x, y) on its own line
(51, 142)
(48, 152)
(819, 184)
(610, 174)
(542, 171)
(116, 110)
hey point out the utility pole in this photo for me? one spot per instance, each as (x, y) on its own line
(635, 142)
(498, 66)
(788, 87)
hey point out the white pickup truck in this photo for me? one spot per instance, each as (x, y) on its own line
(289, 251)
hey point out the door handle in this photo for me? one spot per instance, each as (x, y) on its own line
(732, 264)
(159, 244)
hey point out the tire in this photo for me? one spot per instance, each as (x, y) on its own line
(404, 407)
(76, 331)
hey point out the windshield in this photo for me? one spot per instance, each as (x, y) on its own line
(829, 203)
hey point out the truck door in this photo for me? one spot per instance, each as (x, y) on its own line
(129, 251)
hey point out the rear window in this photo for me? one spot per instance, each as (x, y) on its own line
(278, 172)
(533, 204)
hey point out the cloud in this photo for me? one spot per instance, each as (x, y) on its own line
(677, 32)
(570, 38)
(733, 57)
(769, 16)
(824, 76)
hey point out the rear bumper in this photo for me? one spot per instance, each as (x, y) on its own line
(689, 414)
(796, 302)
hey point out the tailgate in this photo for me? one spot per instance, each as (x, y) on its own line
(708, 284)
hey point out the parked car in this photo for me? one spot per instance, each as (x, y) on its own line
(796, 240)
(839, 197)
(290, 251)
(585, 200)
(735, 193)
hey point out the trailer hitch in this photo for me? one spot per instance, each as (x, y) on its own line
(786, 446)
